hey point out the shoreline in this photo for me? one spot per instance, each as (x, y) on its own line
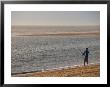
(60, 34)
(69, 71)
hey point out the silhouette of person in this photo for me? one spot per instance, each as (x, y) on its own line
(86, 54)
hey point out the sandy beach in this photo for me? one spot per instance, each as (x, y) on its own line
(92, 70)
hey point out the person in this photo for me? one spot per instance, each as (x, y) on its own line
(86, 54)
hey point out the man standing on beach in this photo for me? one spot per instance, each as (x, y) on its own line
(86, 52)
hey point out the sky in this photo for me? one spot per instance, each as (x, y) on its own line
(55, 18)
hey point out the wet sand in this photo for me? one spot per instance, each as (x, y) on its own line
(92, 70)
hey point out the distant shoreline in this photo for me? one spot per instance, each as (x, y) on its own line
(61, 34)
(14, 26)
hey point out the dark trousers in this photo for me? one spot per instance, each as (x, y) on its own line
(85, 60)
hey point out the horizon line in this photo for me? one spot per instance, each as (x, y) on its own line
(55, 25)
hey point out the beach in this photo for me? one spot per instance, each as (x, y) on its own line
(92, 70)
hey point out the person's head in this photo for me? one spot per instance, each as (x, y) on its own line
(86, 48)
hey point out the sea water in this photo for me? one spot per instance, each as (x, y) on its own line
(37, 53)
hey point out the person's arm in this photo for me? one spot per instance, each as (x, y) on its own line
(83, 53)
(88, 52)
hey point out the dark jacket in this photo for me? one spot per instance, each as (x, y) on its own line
(86, 52)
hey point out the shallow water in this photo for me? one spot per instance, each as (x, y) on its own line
(35, 53)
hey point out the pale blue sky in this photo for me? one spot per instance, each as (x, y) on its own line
(51, 18)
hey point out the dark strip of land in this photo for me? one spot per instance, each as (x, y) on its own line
(61, 34)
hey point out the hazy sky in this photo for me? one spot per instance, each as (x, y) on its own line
(51, 18)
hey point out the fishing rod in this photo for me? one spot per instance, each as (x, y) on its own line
(83, 53)
(79, 50)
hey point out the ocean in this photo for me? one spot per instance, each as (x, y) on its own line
(45, 52)
(40, 53)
